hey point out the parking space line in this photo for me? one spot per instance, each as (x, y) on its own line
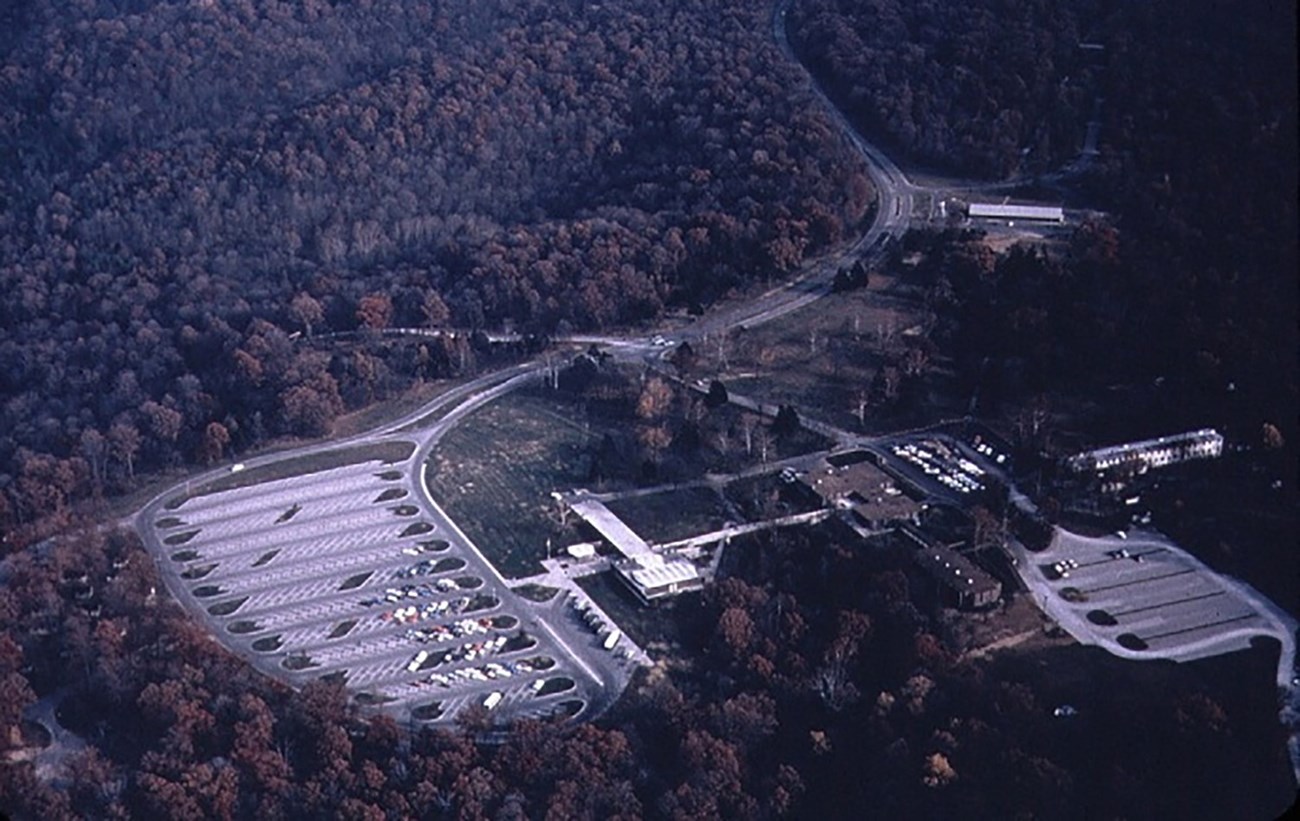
(1207, 625)
(1143, 580)
(1171, 603)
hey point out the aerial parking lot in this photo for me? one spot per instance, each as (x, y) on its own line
(341, 568)
(1140, 596)
(942, 466)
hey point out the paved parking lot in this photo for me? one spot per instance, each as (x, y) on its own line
(1140, 596)
(941, 466)
(352, 573)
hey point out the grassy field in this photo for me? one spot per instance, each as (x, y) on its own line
(818, 358)
(392, 409)
(766, 497)
(494, 474)
(672, 514)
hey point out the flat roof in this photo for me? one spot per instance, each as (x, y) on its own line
(870, 490)
(612, 528)
(954, 570)
(582, 550)
(1204, 436)
(660, 574)
(1024, 212)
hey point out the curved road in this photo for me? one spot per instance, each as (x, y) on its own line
(427, 425)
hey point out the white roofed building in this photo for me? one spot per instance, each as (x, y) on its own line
(1032, 213)
(652, 576)
(1206, 443)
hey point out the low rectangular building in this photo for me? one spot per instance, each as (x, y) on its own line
(853, 482)
(1139, 457)
(964, 584)
(651, 576)
(1033, 213)
(611, 528)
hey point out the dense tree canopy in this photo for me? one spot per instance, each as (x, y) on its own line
(185, 185)
(990, 87)
(1190, 280)
(821, 686)
(210, 210)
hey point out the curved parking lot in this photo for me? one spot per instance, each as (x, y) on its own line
(1140, 596)
(349, 572)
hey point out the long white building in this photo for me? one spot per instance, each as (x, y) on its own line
(648, 573)
(1033, 213)
(1206, 443)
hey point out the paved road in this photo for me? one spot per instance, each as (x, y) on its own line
(1167, 606)
(302, 595)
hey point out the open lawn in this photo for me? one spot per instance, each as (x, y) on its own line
(672, 514)
(767, 497)
(494, 474)
(821, 358)
(390, 410)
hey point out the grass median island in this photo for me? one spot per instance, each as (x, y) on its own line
(494, 474)
(388, 453)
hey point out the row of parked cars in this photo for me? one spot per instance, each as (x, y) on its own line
(413, 612)
(939, 461)
(473, 650)
(411, 591)
(1064, 566)
(421, 568)
(454, 630)
(486, 672)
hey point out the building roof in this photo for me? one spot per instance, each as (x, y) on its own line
(861, 486)
(612, 528)
(651, 571)
(955, 571)
(582, 550)
(1022, 212)
(1204, 436)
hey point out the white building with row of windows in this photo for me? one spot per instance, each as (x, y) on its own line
(1206, 443)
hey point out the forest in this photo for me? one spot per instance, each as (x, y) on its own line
(187, 187)
(991, 88)
(1188, 279)
(209, 210)
(821, 685)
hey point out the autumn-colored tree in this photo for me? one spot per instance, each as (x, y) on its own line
(215, 440)
(164, 422)
(124, 443)
(375, 311)
(307, 312)
(937, 772)
(434, 310)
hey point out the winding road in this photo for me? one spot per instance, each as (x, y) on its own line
(426, 426)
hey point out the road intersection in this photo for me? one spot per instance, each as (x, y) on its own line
(306, 575)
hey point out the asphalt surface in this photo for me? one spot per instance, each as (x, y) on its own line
(295, 622)
(312, 576)
(319, 605)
